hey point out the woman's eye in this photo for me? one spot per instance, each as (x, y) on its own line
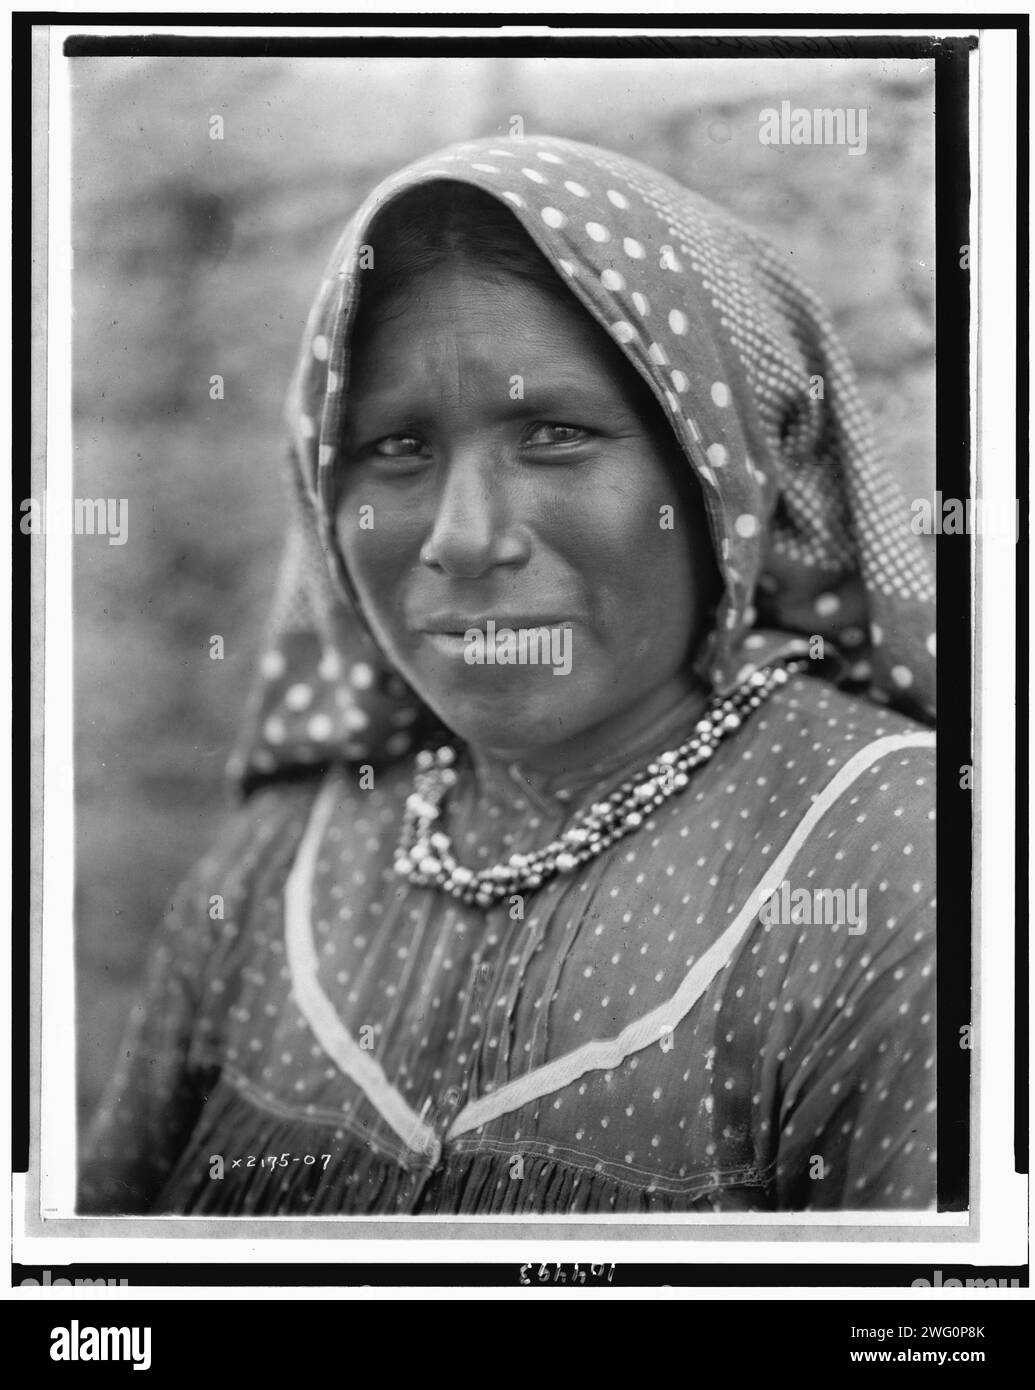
(557, 434)
(397, 446)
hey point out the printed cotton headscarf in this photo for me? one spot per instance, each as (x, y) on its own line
(810, 530)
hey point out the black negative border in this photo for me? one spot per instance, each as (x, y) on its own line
(954, 858)
(509, 1275)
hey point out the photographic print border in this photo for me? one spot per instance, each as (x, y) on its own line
(956, 1222)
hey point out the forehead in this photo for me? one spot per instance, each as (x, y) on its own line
(457, 314)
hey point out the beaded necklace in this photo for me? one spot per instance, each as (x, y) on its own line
(425, 855)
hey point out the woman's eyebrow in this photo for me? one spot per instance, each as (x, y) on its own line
(387, 397)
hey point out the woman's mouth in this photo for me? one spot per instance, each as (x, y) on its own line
(451, 644)
(497, 643)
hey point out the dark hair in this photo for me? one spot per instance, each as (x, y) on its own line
(446, 222)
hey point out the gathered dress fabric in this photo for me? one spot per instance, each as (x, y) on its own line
(347, 1043)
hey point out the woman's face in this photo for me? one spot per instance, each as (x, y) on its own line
(503, 462)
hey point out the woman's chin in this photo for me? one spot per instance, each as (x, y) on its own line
(511, 716)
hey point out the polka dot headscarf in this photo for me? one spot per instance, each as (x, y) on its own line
(810, 530)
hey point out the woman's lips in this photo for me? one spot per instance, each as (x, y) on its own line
(456, 644)
(458, 623)
(446, 643)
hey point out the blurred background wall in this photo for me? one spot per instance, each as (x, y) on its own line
(196, 257)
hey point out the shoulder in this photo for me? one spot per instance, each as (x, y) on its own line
(813, 741)
(867, 774)
(279, 812)
(253, 834)
(863, 824)
(254, 842)
(812, 771)
(221, 905)
(822, 711)
(820, 791)
(846, 903)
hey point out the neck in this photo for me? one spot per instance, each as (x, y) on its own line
(612, 741)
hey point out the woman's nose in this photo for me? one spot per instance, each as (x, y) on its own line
(474, 530)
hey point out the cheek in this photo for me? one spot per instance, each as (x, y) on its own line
(639, 547)
(379, 549)
(370, 518)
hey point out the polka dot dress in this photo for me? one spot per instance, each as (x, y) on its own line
(810, 532)
(319, 1036)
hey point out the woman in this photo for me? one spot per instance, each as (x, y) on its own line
(587, 512)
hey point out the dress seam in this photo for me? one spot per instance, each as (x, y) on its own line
(325, 1119)
(737, 1175)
